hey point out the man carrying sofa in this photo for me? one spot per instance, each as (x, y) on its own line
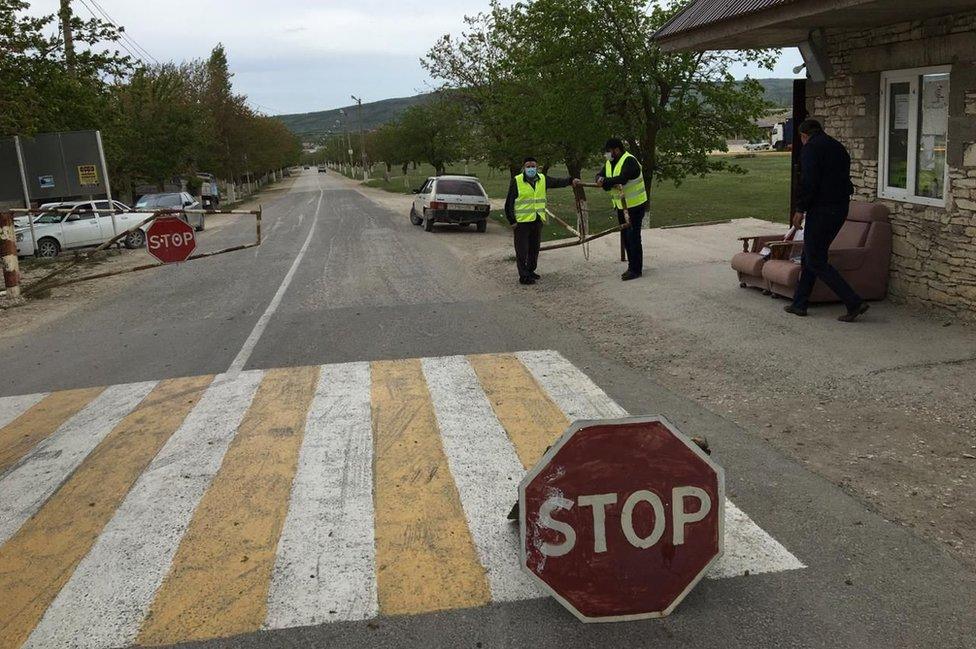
(823, 202)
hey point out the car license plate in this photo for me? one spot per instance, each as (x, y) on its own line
(458, 206)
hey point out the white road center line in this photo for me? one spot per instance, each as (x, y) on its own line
(486, 471)
(252, 340)
(107, 597)
(27, 485)
(747, 546)
(325, 568)
(13, 407)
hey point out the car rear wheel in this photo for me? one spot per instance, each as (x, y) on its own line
(428, 222)
(482, 226)
(416, 220)
(135, 239)
(48, 248)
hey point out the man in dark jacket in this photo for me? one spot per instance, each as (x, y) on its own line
(823, 202)
(623, 176)
(525, 209)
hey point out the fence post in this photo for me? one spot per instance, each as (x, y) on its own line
(8, 249)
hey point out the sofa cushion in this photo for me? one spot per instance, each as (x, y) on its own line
(868, 212)
(748, 263)
(781, 271)
(852, 235)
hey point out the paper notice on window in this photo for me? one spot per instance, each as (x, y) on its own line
(901, 113)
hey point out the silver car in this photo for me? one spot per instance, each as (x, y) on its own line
(176, 201)
(451, 199)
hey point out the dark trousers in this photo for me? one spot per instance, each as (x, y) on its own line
(632, 238)
(819, 231)
(528, 238)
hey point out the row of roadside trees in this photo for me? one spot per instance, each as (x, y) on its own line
(556, 78)
(158, 122)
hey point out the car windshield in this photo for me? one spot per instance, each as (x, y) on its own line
(169, 200)
(50, 217)
(460, 187)
(146, 201)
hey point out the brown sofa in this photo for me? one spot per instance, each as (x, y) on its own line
(749, 263)
(861, 252)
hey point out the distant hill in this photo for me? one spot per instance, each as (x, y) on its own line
(779, 92)
(376, 113)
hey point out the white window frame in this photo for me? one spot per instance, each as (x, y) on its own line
(906, 195)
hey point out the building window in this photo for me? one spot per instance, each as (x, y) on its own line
(913, 136)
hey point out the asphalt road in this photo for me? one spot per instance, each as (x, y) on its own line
(340, 279)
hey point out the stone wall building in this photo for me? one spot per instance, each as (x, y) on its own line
(895, 81)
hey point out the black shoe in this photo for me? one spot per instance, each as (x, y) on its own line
(789, 308)
(535, 276)
(629, 276)
(852, 314)
(526, 280)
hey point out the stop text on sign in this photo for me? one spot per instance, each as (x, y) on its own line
(681, 517)
(167, 239)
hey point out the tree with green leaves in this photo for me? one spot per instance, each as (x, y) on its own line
(557, 77)
(433, 132)
(38, 91)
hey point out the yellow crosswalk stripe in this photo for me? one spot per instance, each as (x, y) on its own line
(37, 561)
(39, 421)
(526, 412)
(426, 560)
(218, 583)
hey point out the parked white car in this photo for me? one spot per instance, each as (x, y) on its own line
(67, 226)
(759, 145)
(174, 201)
(451, 199)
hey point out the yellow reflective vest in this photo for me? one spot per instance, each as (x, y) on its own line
(634, 190)
(530, 200)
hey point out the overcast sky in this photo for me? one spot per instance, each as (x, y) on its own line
(289, 56)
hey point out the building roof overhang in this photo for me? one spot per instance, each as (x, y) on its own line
(753, 24)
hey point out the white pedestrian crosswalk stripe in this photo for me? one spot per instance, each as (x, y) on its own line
(325, 566)
(27, 485)
(13, 407)
(104, 602)
(485, 468)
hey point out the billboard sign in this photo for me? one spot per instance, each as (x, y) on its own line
(63, 165)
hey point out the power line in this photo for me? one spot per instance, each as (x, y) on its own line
(120, 42)
(124, 33)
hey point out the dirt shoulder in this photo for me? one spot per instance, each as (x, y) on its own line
(884, 408)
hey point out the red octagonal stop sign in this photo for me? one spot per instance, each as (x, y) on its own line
(170, 239)
(621, 518)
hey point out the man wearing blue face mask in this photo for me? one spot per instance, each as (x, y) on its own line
(525, 209)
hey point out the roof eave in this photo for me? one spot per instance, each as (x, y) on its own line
(762, 29)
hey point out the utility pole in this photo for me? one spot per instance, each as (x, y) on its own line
(362, 134)
(66, 31)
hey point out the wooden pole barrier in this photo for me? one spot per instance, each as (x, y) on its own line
(8, 249)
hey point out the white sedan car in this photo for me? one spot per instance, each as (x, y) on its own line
(66, 226)
(451, 199)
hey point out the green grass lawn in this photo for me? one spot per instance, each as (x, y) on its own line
(762, 192)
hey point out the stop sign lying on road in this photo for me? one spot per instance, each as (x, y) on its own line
(621, 518)
(170, 240)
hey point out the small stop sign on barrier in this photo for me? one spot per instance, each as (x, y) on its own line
(170, 240)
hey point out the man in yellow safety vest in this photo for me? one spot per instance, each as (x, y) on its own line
(623, 175)
(525, 209)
